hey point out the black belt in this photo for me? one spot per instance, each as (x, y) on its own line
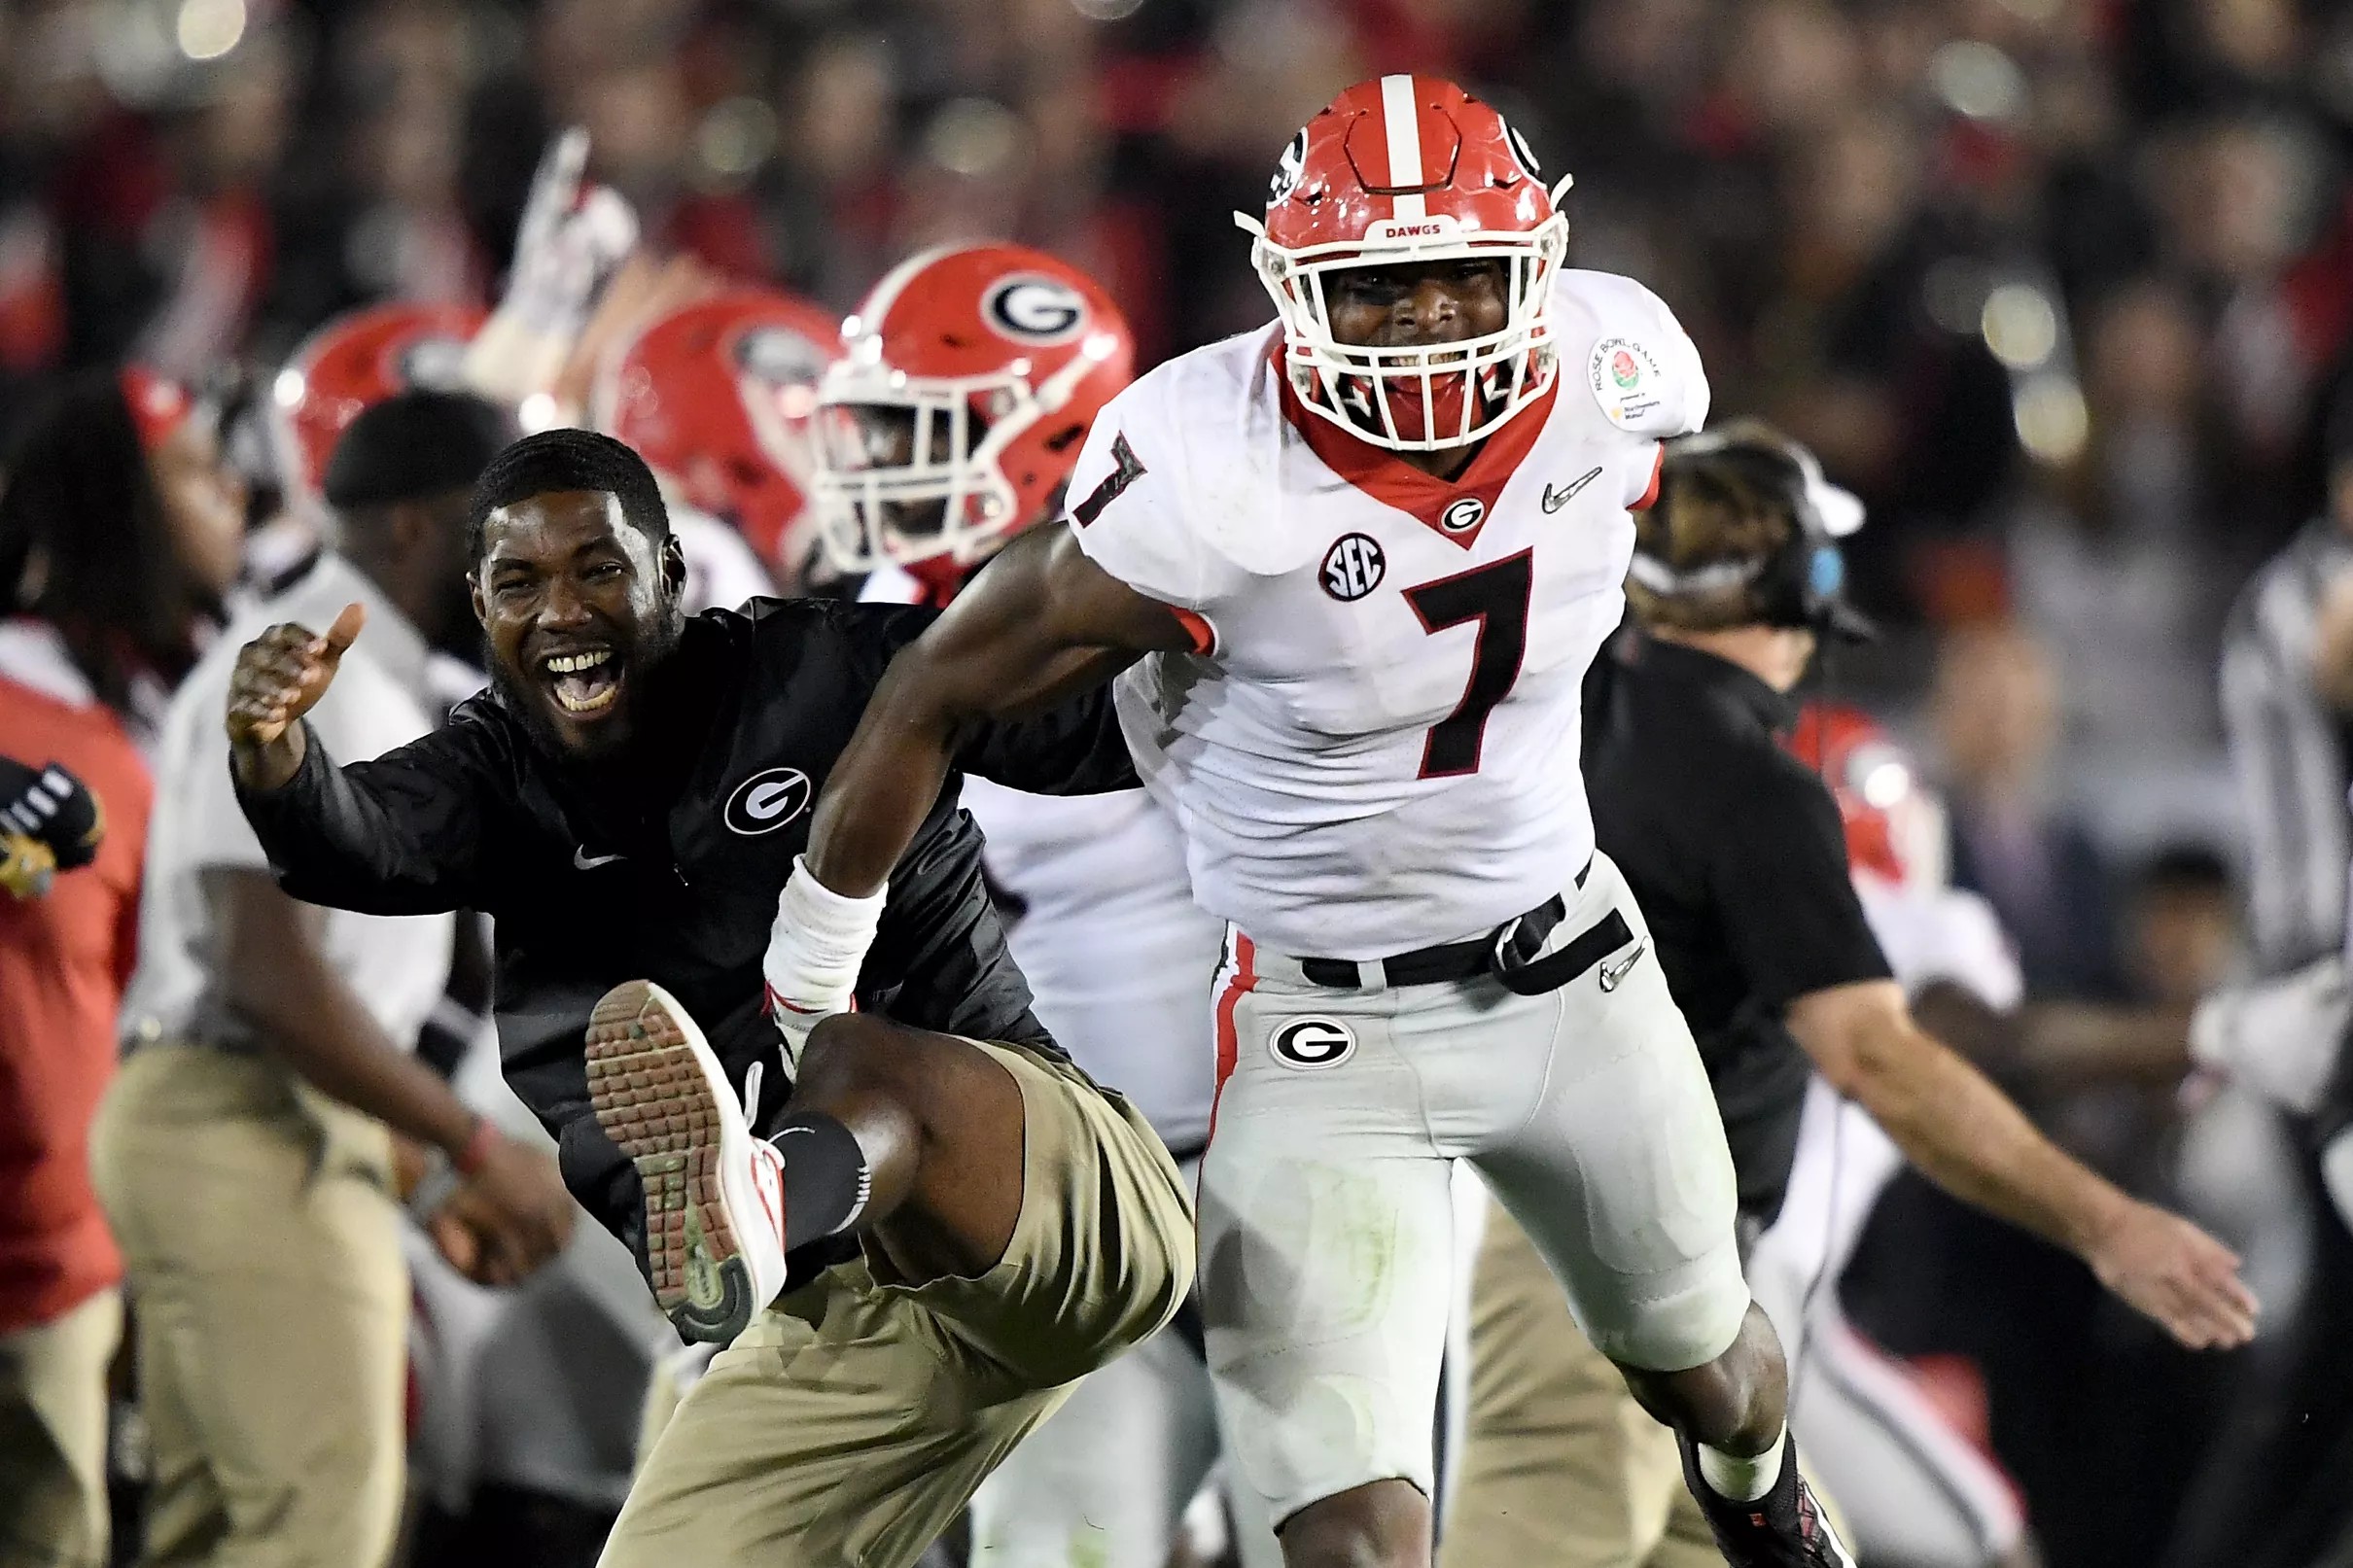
(1508, 953)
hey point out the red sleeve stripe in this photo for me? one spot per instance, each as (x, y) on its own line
(1658, 465)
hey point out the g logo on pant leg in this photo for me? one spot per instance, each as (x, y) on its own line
(1312, 1042)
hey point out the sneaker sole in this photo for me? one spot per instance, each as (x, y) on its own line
(657, 1100)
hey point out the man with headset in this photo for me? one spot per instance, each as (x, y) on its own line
(1735, 852)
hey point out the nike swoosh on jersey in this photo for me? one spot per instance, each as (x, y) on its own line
(1554, 500)
(1612, 974)
(583, 861)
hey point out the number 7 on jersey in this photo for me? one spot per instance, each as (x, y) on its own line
(1497, 596)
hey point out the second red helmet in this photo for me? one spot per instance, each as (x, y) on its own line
(954, 417)
(349, 366)
(717, 397)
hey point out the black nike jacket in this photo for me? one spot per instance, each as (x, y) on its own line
(669, 870)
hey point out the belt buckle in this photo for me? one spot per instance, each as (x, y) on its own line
(1505, 952)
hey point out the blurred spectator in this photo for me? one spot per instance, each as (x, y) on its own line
(2181, 926)
(2287, 696)
(2113, 562)
(246, 1153)
(1994, 708)
(117, 536)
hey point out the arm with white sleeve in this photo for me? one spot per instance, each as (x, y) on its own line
(1042, 624)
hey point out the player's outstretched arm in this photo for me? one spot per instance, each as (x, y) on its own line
(398, 835)
(1966, 1137)
(1042, 624)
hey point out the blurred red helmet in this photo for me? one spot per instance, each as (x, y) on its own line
(1411, 169)
(717, 397)
(350, 365)
(1895, 824)
(954, 417)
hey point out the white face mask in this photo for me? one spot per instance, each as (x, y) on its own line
(1419, 398)
(910, 468)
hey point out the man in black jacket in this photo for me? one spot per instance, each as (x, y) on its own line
(959, 1223)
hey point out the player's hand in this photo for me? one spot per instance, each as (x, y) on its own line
(50, 821)
(645, 290)
(514, 1210)
(573, 233)
(279, 677)
(457, 1241)
(2168, 1268)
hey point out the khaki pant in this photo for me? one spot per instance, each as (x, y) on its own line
(1560, 1466)
(852, 1419)
(53, 1437)
(270, 1311)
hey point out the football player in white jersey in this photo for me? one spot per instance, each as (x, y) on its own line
(1913, 1488)
(1353, 566)
(950, 424)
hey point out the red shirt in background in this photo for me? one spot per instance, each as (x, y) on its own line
(64, 959)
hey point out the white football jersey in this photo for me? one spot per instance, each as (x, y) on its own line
(1119, 957)
(1376, 747)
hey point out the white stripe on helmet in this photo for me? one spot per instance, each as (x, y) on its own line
(1403, 119)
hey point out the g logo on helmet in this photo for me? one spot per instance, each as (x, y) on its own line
(766, 801)
(1287, 169)
(1306, 1043)
(1030, 309)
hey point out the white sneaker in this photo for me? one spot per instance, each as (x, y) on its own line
(714, 1195)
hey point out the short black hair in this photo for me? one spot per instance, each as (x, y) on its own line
(414, 446)
(560, 460)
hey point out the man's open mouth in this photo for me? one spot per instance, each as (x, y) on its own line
(584, 683)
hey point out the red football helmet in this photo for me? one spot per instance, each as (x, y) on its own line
(954, 417)
(1405, 169)
(1895, 824)
(717, 397)
(350, 365)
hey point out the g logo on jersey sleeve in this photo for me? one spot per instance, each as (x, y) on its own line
(767, 800)
(1353, 566)
(1312, 1042)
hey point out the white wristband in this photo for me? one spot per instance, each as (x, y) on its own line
(819, 943)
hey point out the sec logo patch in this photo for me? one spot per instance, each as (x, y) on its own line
(767, 800)
(1312, 1042)
(1353, 566)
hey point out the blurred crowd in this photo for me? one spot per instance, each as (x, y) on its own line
(2062, 289)
(2059, 287)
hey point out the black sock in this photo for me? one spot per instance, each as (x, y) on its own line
(827, 1181)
